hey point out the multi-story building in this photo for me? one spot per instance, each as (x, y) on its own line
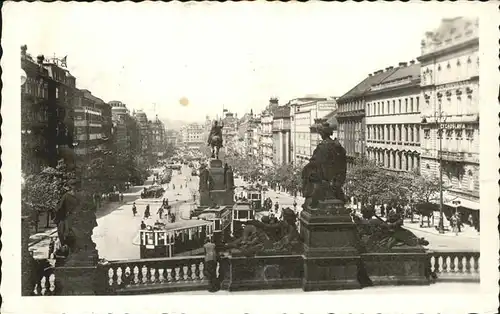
(351, 115)
(145, 135)
(331, 120)
(282, 138)
(450, 109)
(267, 133)
(303, 112)
(158, 137)
(253, 137)
(194, 136)
(38, 149)
(171, 137)
(393, 119)
(230, 130)
(88, 124)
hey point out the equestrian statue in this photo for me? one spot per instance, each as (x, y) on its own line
(215, 139)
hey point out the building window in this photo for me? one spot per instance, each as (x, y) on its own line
(57, 93)
(418, 104)
(399, 106)
(393, 106)
(406, 105)
(411, 104)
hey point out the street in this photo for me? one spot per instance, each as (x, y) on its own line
(116, 236)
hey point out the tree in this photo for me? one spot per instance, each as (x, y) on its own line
(425, 188)
(42, 191)
(170, 150)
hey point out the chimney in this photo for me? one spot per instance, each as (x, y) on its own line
(369, 74)
(412, 62)
(389, 68)
(378, 72)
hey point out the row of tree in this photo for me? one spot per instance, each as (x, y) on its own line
(366, 181)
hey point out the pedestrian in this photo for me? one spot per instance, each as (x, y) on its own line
(143, 225)
(160, 211)
(134, 209)
(210, 269)
(147, 213)
(276, 207)
(121, 197)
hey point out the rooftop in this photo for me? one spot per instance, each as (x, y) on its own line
(367, 83)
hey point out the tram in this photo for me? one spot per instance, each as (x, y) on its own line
(168, 240)
(220, 216)
(242, 212)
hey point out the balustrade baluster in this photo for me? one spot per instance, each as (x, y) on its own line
(446, 267)
(144, 274)
(201, 266)
(137, 279)
(170, 276)
(111, 273)
(177, 273)
(194, 275)
(468, 264)
(52, 284)
(452, 264)
(128, 277)
(460, 266)
(476, 264)
(161, 279)
(119, 276)
(187, 272)
(153, 278)
(43, 286)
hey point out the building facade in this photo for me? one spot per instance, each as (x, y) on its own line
(158, 137)
(146, 149)
(267, 133)
(194, 136)
(89, 124)
(302, 114)
(450, 109)
(282, 137)
(393, 119)
(351, 115)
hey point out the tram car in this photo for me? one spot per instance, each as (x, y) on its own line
(220, 216)
(242, 212)
(254, 197)
(155, 191)
(183, 237)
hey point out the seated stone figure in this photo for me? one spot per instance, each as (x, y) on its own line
(265, 237)
(376, 235)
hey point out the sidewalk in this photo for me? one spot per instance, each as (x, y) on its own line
(467, 231)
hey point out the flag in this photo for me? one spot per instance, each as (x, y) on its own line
(63, 62)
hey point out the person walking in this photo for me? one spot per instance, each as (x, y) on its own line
(160, 212)
(210, 269)
(147, 213)
(134, 209)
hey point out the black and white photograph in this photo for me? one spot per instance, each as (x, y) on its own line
(174, 152)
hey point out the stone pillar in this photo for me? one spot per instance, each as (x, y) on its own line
(330, 255)
(405, 161)
(79, 274)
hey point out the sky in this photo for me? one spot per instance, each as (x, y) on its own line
(231, 55)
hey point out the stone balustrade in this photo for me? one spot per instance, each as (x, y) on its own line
(455, 266)
(151, 275)
(157, 275)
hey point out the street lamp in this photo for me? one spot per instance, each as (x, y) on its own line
(440, 119)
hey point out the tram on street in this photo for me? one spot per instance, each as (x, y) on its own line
(220, 216)
(242, 212)
(168, 240)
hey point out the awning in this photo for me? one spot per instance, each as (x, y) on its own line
(463, 203)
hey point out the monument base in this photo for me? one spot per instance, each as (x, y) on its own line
(331, 257)
(403, 266)
(77, 280)
(222, 197)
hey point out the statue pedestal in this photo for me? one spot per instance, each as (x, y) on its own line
(330, 255)
(78, 275)
(218, 193)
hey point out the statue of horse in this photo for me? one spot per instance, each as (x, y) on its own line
(215, 144)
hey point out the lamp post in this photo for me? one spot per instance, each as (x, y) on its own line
(440, 118)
